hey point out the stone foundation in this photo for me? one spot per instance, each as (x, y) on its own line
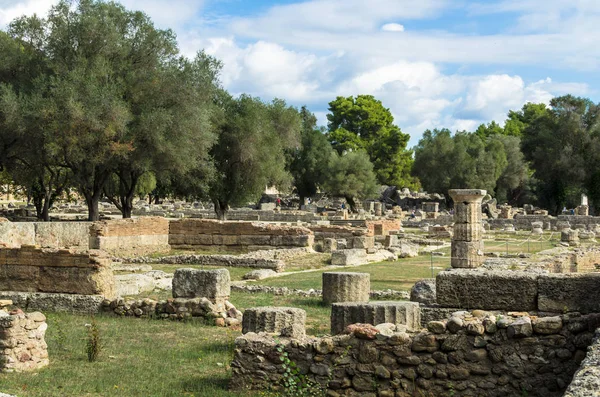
(31, 269)
(241, 236)
(517, 290)
(22, 344)
(45, 234)
(131, 236)
(48, 302)
(508, 356)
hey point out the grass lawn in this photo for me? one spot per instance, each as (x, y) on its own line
(140, 358)
(399, 275)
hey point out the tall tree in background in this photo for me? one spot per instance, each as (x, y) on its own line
(309, 162)
(363, 123)
(351, 176)
(124, 102)
(250, 150)
(556, 144)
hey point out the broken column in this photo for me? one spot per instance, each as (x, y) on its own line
(287, 321)
(399, 313)
(378, 208)
(22, 344)
(346, 287)
(467, 242)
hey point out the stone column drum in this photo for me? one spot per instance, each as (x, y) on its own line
(288, 320)
(346, 287)
(467, 242)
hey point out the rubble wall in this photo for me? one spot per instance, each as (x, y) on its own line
(22, 344)
(503, 360)
(33, 269)
(241, 236)
(130, 236)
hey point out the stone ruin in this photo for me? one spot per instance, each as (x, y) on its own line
(22, 343)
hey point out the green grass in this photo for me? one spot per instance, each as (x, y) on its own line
(236, 273)
(398, 275)
(140, 358)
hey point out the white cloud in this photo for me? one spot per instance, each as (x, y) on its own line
(167, 14)
(392, 27)
(10, 10)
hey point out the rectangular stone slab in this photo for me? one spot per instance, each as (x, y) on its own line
(487, 290)
(194, 283)
(569, 292)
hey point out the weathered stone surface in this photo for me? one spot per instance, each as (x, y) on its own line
(346, 287)
(586, 381)
(70, 303)
(133, 284)
(259, 274)
(22, 344)
(569, 293)
(274, 320)
(466, 254)
(520, 328)
(424, 291)
(547, 325)
(488, 290)
(211, 284)
(344, 314)
(348, 257)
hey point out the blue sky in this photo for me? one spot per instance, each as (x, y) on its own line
(434, 63)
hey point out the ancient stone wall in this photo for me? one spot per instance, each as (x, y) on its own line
(240, 236)
(517, 290)
(382, 227)
(586, 381)
(483, 355)
(45, 234)
(22, 344)
(33, 269)
(130, 236)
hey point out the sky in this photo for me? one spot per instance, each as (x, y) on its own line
(434, 63)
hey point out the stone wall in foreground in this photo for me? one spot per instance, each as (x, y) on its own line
(22, 344)
(33, 269)
(237, 236)
(130, 236)
(471, 354)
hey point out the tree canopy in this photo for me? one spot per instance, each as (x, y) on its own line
(362, 123)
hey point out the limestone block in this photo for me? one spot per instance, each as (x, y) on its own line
(365, 242)
(374, 313)
(569, 236)
(467, 254)
(274, 320)
(391, 240)
(573, 292)
(133, 284)
(346, 287)
(194, 283)
(467, 231)
(349, 257)
(487, 290)
(329, 245)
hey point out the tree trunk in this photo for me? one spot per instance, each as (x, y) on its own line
(352, 203)
(92, 204)
(221, 209)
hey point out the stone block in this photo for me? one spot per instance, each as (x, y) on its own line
(346, 287)
(193, 283)
(467, 231)
(349, 257)
(365, 242)
(374, 313)
(574, 292)
(467, 254)
(329, 245)
(424, 291)
(287, 320)
(487, 290)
